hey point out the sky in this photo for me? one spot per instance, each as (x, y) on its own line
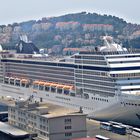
(22, 10)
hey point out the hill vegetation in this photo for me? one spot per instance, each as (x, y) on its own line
(78, 30)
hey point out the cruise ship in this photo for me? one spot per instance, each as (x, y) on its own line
(104, 82)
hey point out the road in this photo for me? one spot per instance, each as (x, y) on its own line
(93, 129)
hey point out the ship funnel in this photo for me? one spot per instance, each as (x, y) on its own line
(24, 38)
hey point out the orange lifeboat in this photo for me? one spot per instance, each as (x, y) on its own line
(47, 83)
(60, 86)
(67, 87)
(42, 83)
(36, 82)
(54, 84)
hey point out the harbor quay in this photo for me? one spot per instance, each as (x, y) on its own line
(91, 127)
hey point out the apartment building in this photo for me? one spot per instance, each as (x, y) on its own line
(49, 121)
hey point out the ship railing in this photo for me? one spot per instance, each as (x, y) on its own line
(128, 51)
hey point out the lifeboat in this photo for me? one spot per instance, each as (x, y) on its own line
(17, 81)
(68, 87)
(36, 82)
(24, 81)
(47, 86)
(60, 86)
(6, 77)
(42, 83)
(54, 85)
(6, 80)
(12, 78)
(48, 83)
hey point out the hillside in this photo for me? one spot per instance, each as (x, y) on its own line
(78, 30)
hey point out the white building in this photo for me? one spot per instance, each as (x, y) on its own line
(49, 121)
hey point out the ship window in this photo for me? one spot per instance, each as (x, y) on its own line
(41, 99)
(67, 127)
(86, 96)
(68, 120)
(72, 94)
(68, 134)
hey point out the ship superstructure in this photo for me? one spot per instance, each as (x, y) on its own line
(105, 82)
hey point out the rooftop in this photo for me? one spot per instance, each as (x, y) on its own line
(59, 111)
(12, 131)
(49, 110)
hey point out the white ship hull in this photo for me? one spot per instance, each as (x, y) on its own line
(111, 110)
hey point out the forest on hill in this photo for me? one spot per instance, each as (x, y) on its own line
(77, 30)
